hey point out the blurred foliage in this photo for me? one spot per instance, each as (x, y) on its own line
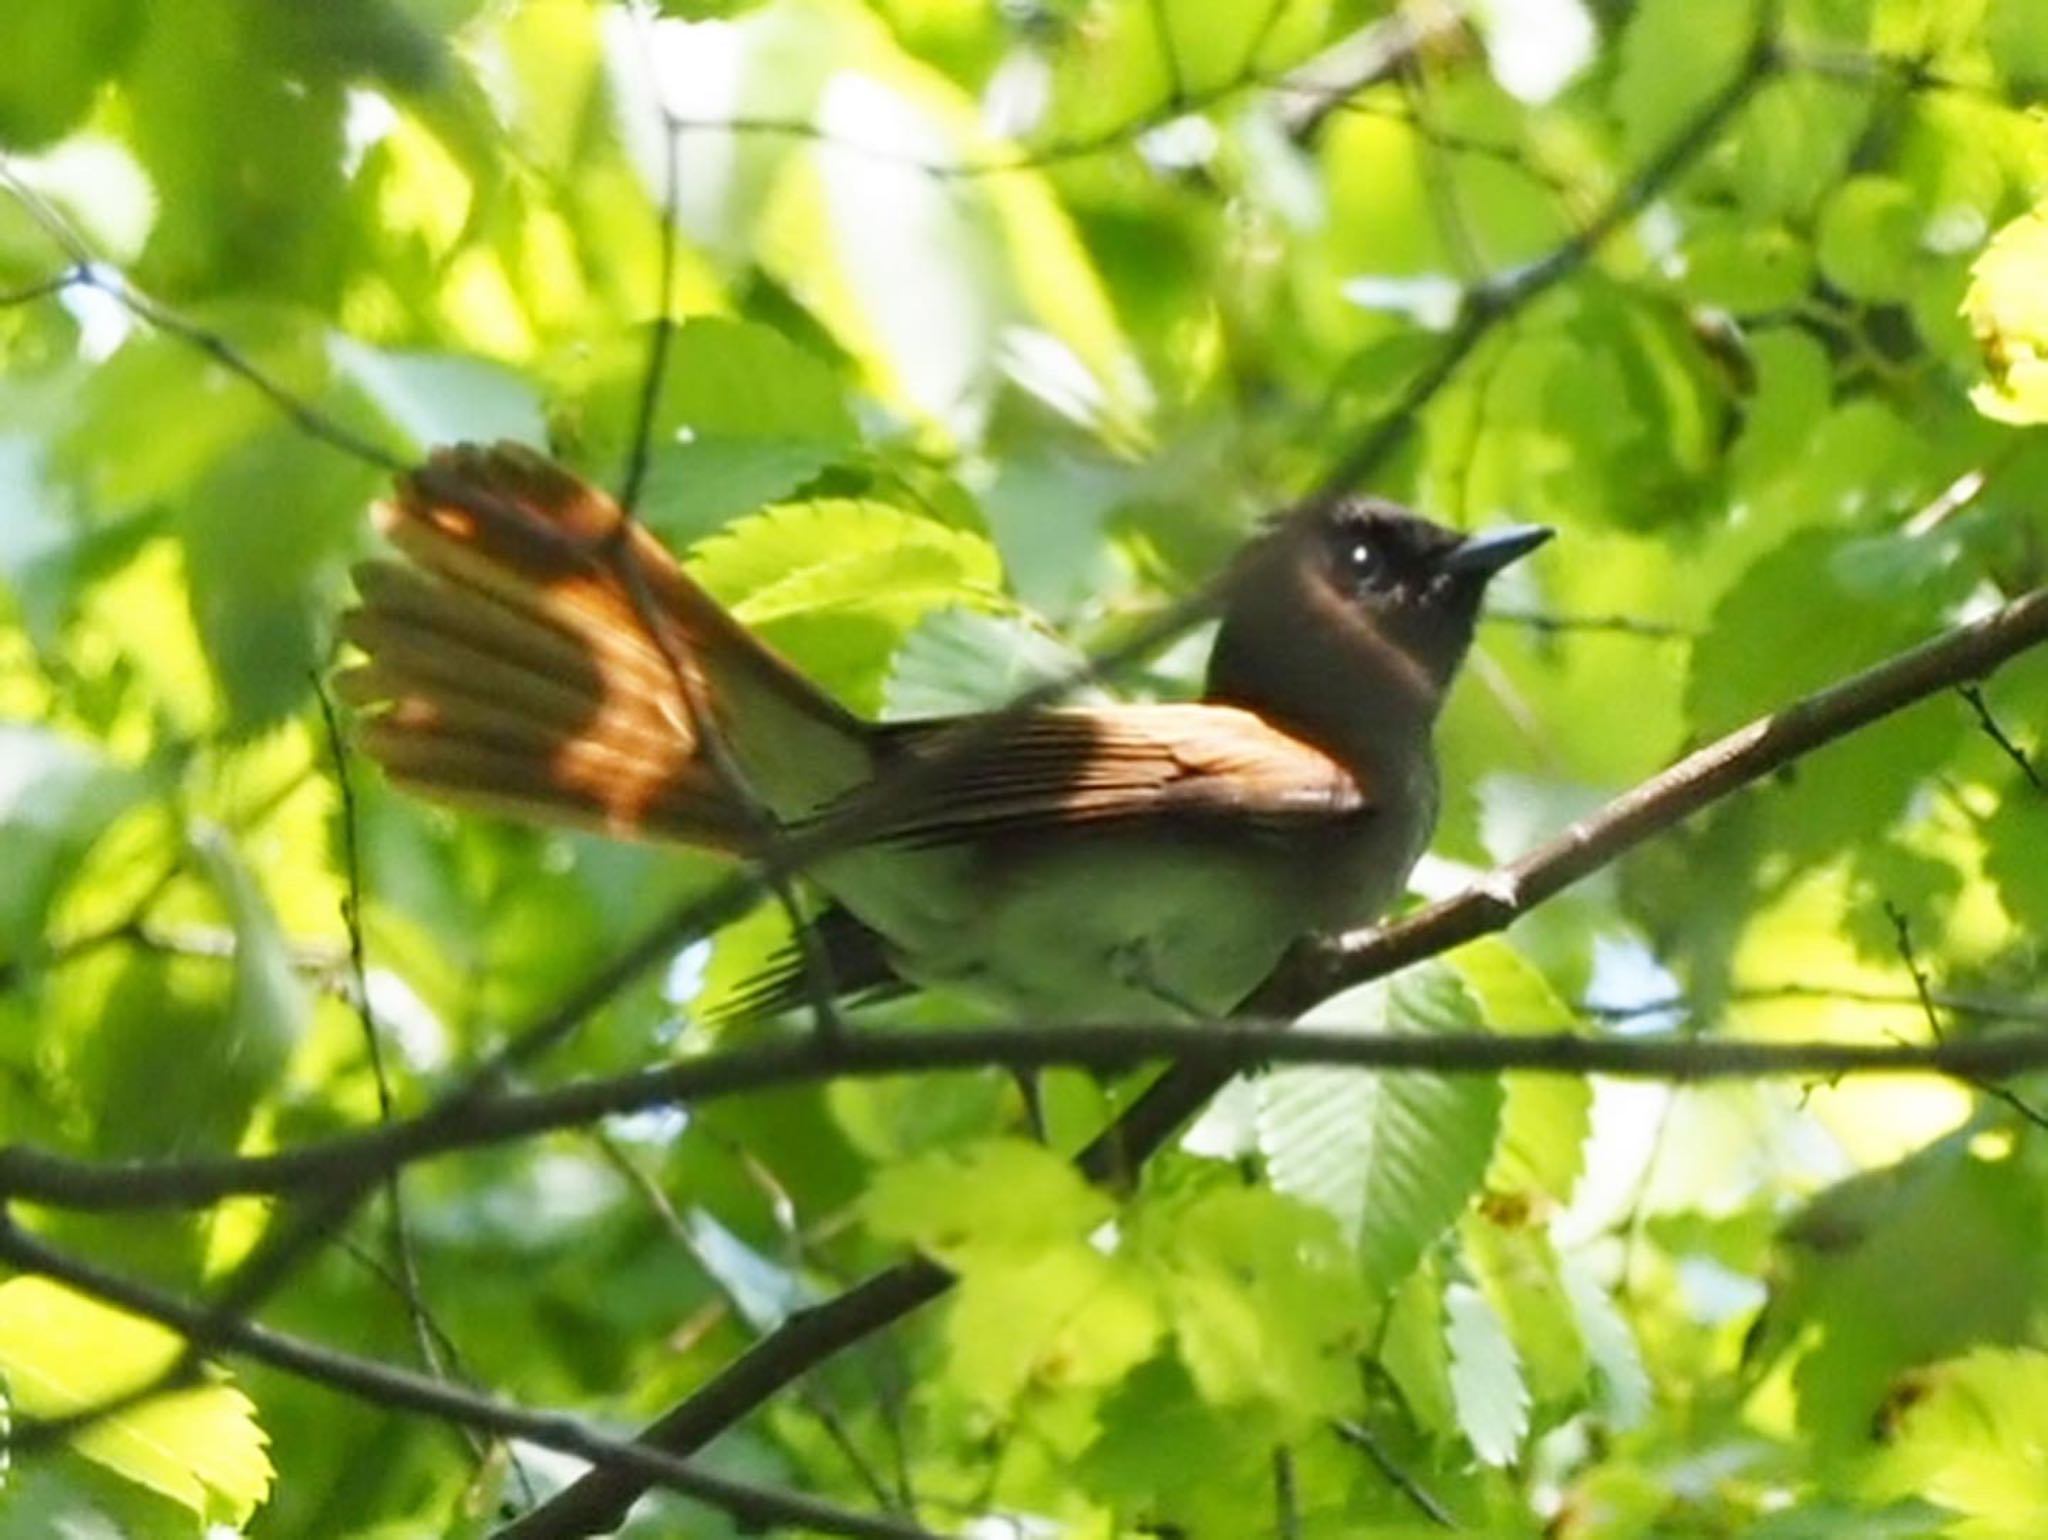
(1003, 324)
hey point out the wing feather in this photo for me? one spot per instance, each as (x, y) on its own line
(1103, 765)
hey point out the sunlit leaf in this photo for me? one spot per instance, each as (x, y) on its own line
(1486, 1377)
(61, 1353)
(2008, 310)
(1393, 1158)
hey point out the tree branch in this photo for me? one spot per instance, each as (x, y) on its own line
(1216, 1049)
(385, 1385)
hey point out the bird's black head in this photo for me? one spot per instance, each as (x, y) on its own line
(1414, 580)
(1361, 602)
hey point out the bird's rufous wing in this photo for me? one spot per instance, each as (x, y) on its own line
(1107, 765)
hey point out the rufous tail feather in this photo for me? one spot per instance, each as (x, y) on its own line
(511, 664)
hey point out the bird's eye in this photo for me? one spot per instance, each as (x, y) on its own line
(1362, 563)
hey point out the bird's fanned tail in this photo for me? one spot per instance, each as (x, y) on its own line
(510, 664)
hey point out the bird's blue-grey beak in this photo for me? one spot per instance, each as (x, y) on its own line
(1484, 554)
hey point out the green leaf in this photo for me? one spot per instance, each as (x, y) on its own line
(1414, 1351)
(52, 59)
(737, 379)
(1621, 1383)
(2013, 837)
(1790, 625)
(269, 1007)
(155, 418)
(693, 488)
(2007, 305)
(57, 796)
(1058, 1317)
(183, 1051)
(1164, 1451)
(1902, 1267)
(1486, 1377)
(1263, 1297)
(941, 1203)
(838, 584)
(1547, 1118)
(963, 660)
(1869, 239)
(261, 571)
(1675, 54)
(1794, 142)
(439, 398)
(1968, 1434)
(841, 554)
(1518, 1271)
(1393, 1158)
(2016, 41)
(891, 1118)
(61, 1353)
(1746, 267)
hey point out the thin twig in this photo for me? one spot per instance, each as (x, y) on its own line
(1909, 956)
(427, 1334)
(1994, 1007)
(1546, 624)
(763, 826)
(88, 271)
(814, 1400)
(1286, 1500)
(1362, 1438)
(1998, 735)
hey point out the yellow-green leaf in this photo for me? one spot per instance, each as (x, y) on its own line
(62, 1353)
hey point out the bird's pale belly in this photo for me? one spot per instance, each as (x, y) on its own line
(1105, 925)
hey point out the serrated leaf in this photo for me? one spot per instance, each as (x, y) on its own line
(62, 1353)
(1486, 1377)
(841, 554)
(1393, 1158)
(1515, 1266)
(836, 585)
(694, 488)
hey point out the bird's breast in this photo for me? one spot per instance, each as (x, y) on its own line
(1124, 924)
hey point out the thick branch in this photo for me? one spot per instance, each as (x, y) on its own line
(1216, 1049)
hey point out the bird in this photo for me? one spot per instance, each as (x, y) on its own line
(530, 649)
